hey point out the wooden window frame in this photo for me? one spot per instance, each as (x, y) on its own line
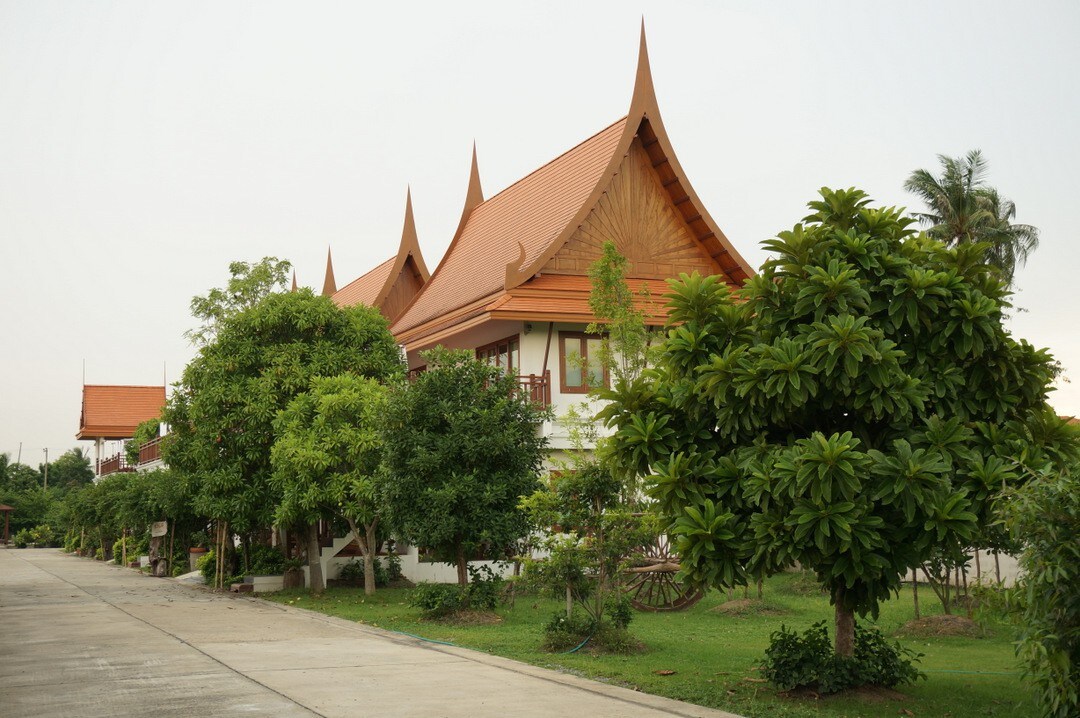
(584, 388)
(516, 339)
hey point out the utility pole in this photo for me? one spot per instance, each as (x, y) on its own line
(46, 469)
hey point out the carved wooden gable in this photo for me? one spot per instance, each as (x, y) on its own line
(406, 286)
(637, 215)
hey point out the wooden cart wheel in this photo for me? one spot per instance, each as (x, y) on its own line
(652, 586)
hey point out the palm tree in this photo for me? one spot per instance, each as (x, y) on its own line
(962, 209)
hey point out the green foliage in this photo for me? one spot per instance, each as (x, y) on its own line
(144, 432)
(1045, 516)
(437, 600)
(259, 358)
(461, 449)
(328, 454)
(248, 285)
(485, 587)
(807, 661)
(624, 349)
(440, 600)
(22, 538)
(265, 561)
(854, 407)
(354, 571)
(596, 534)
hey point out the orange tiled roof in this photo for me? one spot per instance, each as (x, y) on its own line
(365, 288)
(561, 297)
(532, 211)
(113, 412)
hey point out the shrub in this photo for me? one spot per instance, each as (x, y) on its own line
(265, 560)
(619, 611)
(1045, 515)
(22, 538)
(808, 661)
(43, 535)
(354, 571)
(207, 565)
(484, 588)
(436, 600)
(393, 564)
(563, 632)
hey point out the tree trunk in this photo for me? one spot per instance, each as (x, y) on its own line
(760, 587)
(997, 568)
(845, 625)
(915, 591)
(462, 564)
(315, 574)
(569, 601)
(369, 559)
(978, 568)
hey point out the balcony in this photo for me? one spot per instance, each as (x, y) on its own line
(535, 386)
(112, 465)
(150, 451)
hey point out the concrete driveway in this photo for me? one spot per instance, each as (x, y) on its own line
(82, 638)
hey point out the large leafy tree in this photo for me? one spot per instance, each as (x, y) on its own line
(326, 459)
(848, 409)
(462, 449)
(223, 410)
(962, 209)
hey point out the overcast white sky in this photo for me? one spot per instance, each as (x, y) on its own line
(144, 146)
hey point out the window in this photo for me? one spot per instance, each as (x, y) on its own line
(503, 354)
(579, 360)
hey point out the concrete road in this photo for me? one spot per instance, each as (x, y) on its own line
(82, 638)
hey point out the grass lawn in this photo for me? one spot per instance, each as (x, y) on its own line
(714, 654)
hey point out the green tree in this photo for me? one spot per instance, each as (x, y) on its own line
(144, 432)
(962, 209)
(223, 410)
(71, 470)
(326, 459)
(461, 449)
(830, 412)
(248, 285)
(1044, 516)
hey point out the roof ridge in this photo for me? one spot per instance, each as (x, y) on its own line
(553, 160)
(365, 274)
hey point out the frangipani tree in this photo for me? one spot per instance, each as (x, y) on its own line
(829, 412)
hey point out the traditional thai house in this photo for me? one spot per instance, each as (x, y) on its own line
(514, 286)
(112, 413)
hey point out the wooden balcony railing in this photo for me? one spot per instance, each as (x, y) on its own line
(150, 451)
(113, 465)
(535, 386)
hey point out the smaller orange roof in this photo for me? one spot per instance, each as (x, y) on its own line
(364, 289)
(113, 412)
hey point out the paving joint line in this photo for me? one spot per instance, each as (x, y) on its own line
(174, 636)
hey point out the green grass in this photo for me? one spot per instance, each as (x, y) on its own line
(714, 655)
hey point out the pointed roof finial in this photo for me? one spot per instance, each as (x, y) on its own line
(293, 280)
(644, 100)
(410, 242)
(329, 285)
(475, 194)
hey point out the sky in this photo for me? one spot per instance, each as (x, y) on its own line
(145, 146)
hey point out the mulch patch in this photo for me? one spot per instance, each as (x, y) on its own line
(934, 626)
(747, 607)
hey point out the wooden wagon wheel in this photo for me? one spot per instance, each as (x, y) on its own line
(652, 586)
